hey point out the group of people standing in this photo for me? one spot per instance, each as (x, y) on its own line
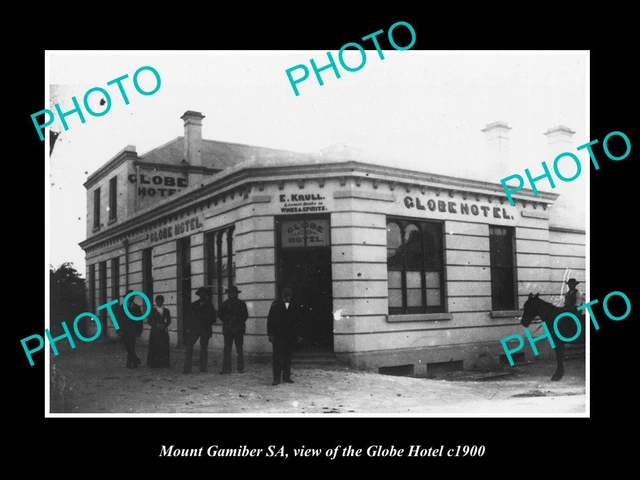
(130, 330)
(283, 330)
(233, 314)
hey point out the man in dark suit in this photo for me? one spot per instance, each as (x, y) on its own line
(233, 314)
(283, 329)
(130, 329)
(199, 319)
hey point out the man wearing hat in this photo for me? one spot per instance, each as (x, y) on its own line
(130, 329)
(233, 314)
(199, 319)
(283, 329)
(573, 298)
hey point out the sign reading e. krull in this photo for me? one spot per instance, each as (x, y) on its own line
(302, 203)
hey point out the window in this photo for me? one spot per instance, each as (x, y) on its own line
(415, 266)
(103, 289)
(96, 208)
(503, 278)
(220, 263)
(115, 278)
(147, 273)
(183, 246)
(113, 198)
(92, 287)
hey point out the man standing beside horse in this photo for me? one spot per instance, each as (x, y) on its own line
(561, 328)
(572, 300)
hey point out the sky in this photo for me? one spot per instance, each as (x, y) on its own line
(416, 110)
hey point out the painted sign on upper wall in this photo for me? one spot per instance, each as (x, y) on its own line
(461, 208)
(305, 233)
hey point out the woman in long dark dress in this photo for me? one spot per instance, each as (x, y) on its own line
(160, 319)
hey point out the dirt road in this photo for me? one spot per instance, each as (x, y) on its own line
(92, 380)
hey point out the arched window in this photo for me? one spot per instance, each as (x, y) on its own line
(414, 266)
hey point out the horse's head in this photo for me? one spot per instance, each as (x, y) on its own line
(531, 309)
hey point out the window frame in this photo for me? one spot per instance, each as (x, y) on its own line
(103, 292)
(511, 305)
(147, 273)
(96, 208)
(92, 286)
(422, 225)
(213, 244)
(113, 199)
(115, 278)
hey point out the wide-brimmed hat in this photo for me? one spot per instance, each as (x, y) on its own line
(572, 281)
(233, 290)
(202, 290)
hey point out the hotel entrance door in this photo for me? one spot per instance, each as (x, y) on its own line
(305, 264)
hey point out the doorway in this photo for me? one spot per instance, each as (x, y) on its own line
(184, 277)
(304, 261)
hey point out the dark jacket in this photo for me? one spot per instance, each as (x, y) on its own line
(155, 318)
(130, 327)
(572, 299)
(282, 323)
(201, 317)
(233, 314)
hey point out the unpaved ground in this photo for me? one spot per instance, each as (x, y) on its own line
(96, 382)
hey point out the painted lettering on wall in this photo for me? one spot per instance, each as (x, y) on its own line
(303, 233)
(459, 208)
(183, 226)
(302, 202)
(159, 185)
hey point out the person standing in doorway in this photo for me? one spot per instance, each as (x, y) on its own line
(130, 329)
(233, 314)
(160, 319)
(283, 329)
(199, 320)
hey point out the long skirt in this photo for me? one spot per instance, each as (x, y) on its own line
(158, 355)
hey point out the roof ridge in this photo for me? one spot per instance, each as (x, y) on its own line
(159, 147)
(252, 146)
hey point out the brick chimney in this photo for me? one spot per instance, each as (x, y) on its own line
(193, 142)
(560, 140)
(497, 153)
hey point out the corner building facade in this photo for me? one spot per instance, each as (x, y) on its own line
(398, 271)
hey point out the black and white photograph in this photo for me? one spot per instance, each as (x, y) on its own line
(364, 232)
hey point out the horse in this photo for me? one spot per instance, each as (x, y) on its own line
(566, 326)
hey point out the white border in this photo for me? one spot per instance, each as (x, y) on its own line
(586, 163)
